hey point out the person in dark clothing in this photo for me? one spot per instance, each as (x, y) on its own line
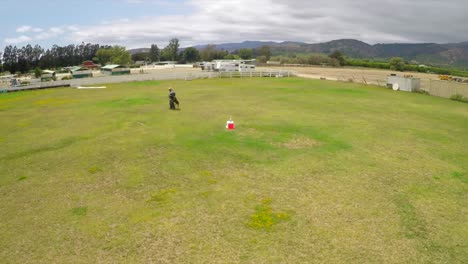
(172, 99)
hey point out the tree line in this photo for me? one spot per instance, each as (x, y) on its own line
(208, 53)
(28, 58)
(337, 59)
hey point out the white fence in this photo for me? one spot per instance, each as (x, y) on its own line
(446, 88)
(151, 77)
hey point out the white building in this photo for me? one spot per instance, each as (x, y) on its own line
(229, 65)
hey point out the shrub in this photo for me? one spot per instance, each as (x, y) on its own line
(397, 64)
(459, 97)
(37, 72)
(421, 91)
(64, 78)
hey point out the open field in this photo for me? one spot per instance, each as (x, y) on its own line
(315, 172)
(429, 82)
(358, 73)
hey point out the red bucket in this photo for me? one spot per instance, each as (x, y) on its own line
(230, 125)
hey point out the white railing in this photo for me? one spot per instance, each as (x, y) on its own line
(152, 77)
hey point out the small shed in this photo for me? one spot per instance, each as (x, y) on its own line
(90, 65)
(47, 75)
(273, 62)
(140, 63)
(7, 80)
(80, 72)
(165, 63)
(407, 84)
(115, 69)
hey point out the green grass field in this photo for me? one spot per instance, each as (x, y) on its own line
(315, 172)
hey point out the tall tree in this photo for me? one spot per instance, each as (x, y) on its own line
(172, 49)
(104, 56)
(397, 64)
(46, 60)
(232, 57)
(190, 55)
(120, 55)
(264, 51)
(10, 59)
(245, 54)
(339, 57)
(36, 55)
(208, 53)
(89, 51)
(141, 56)
(154, 53)
(25, 55)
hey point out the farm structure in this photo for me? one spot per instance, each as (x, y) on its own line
(90, 65)
(47, 74)
(114, 69)
(81, 72)
(229, 65)
(408, 84)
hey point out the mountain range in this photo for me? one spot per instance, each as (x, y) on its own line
(451, 54)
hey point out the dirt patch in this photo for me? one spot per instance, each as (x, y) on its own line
(250, 132)
(299, 142)
(358, 75)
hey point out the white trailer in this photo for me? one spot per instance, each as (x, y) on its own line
(227, 66)
(246, 68)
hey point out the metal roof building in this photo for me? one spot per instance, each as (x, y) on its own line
(81, 72)
(47, 74)
(115, 69)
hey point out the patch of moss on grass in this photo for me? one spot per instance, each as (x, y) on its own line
(264, 217)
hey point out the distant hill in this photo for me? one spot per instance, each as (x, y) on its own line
(452, 54)
(140, 50)
(236, 46)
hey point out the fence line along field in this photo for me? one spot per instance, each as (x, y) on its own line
(429, 82)
(314, 171)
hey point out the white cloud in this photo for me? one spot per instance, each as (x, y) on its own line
(57, 30)
(25, 29)
(52, 32)
(72, 28)
(39, 34)
(215, 21)
(220, 21)
(20, 39)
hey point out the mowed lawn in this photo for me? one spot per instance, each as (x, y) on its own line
(315, 172)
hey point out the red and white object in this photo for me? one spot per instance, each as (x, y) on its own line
(230, 124)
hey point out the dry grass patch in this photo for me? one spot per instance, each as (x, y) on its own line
(250, 132)
(264, 217)
(161, 196)
(299, 142)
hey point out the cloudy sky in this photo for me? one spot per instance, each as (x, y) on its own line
(138, 23)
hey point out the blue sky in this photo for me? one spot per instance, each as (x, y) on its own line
(70, 14)
(139, 23)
